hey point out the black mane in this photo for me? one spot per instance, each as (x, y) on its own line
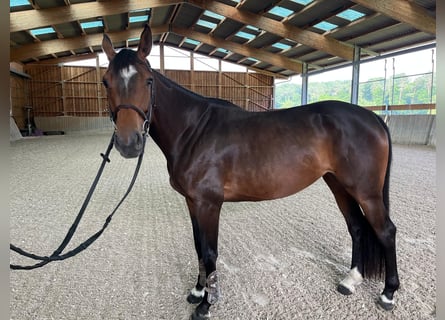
(210, 100)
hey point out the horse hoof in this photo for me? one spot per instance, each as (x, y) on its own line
(385, 303)
(192, 299)
(344, 290)
(198, 316)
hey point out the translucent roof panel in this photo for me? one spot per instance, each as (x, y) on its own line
(350, 15)
(253, 28)
(222, 50)
(251, 59)
(207, 24)
(280, 11)
(245, 35)
(40, 31)
(213, 15)
(325, 26)
(138, 18)
(193, 42)
(281, 46)
(91, 24)
(16, 3)
(303, 2)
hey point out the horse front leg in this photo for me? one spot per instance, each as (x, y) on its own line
(197, 293)
(205, 220)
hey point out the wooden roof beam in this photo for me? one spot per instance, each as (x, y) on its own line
(312, 39)
(32, 19)
(53, 46)
(404, 11)
(262, 55)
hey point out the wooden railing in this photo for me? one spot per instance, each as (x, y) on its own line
(404, 107)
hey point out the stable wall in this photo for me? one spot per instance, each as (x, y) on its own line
(56, 91)
(69, 124)
(413, 129)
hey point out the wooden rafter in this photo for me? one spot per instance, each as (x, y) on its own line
(274, 59)
(403, 11)
(58, 45)
(31, 19)
(51, 46)
(309, 38)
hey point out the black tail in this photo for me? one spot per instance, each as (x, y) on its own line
(372, 250)
(388, 167)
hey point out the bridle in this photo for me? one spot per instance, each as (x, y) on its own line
(58, 254)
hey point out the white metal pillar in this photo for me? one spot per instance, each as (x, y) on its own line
(355, 75)
(304, 84)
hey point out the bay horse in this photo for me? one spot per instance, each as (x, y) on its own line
(218, 152)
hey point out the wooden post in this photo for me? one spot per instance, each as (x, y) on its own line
(219, 78)
(62, 84)
(161, 58)
(99, 87)
(246, 90)
(192, 72)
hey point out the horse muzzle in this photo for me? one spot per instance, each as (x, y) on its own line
(130, 145)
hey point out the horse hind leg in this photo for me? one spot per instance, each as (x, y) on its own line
(377, 214)
(373, 240)
(355, 222)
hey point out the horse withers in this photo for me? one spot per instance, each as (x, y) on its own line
(218, 152)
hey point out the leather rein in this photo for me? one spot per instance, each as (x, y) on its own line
(58, 254)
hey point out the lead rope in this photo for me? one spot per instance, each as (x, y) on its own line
(57, 254)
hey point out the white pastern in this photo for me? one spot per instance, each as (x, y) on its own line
(127, 73)
(386, 300)
(197, 293)
(353, 279)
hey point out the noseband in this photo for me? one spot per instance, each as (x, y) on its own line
(145, 116)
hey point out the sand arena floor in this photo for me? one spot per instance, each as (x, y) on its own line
(278, 259)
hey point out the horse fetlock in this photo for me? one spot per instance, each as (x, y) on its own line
(385, 303)
(195, 296)
(348, 284)
(212, 288)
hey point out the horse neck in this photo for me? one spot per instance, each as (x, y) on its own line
(177, 112)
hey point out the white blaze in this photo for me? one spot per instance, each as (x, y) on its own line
(127, 73)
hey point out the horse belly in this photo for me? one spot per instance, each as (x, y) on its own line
(270, 184)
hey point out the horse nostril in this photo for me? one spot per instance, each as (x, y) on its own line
(138, 140)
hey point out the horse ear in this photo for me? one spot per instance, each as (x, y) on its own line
(145, 43)
(107, 47)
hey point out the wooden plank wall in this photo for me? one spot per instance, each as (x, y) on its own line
(78, 91)
(19, 94)
(66, 91)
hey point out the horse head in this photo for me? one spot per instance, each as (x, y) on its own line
(128, 81)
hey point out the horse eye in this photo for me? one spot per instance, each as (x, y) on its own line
(149, 81)
(105, 83)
